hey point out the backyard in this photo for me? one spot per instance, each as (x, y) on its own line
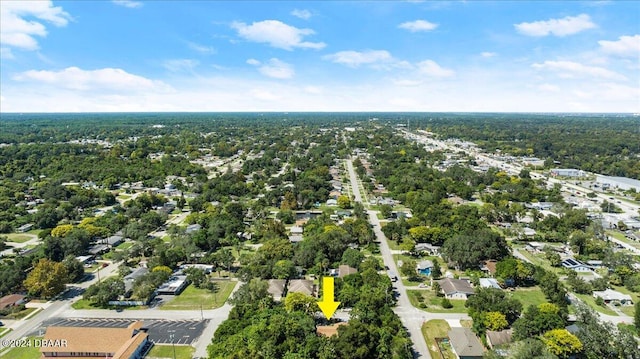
(437, 328)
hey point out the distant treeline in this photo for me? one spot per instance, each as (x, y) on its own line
(602, 143)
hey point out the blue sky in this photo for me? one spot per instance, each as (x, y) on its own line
(542, 56)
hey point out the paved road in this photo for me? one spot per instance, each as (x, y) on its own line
(33, 240)
(411, 317)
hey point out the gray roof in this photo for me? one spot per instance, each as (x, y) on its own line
(304, 286)
(465, 343)
(276, 288)
(499, 338)
(113, 240)
(450, 286)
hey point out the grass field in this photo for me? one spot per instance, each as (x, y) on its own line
(166, 351)
(528, 296)
(17, 237)
(125, 245)
(437, 328)
(590, 301)
(431, 302)
(21, 314)
(24, 352)
(192, 298)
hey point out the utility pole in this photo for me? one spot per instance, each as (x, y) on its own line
(173, 344)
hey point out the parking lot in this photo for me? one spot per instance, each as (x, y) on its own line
(160, 331)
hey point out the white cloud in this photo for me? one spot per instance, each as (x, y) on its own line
(303, 14)
(626, 46)
(274, 68)
(432, 69)
(548, 87)
(569, 69)
(355, 59)
(5, 53)
(277, 34)
(203, 49)
(418, 25)
(180, 65)
(74, 78)
(16, 31)
(406, 82)
(128, 3)
(559, 27)
(314, 90)
(487, 54)
(265, 95)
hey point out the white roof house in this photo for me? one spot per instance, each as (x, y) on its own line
(489, 283)
(611, 296)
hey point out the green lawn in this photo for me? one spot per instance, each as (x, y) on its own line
(436, 328)
(428, 301)
(628, 309)
(590, 301)
(24, 353)
(621, 237)
(191, 298)
(17, 237)
(21, 314)
(166, 351)
(125, 245)
(528, 296)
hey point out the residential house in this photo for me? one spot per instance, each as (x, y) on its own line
(456, 288)
(489, 267)
(465, 344)
(575, 265)
(192, 228)
(345, 270)
(427, 248)
(113, 241)
(329, 330)
(611, 296)
(131, 342)
(276, 288)
(502, 337)
(295, 238)
(424, 267)
(296, 230)
(489, 283)
(304, 286)
(130, 278)
(11, 300)
(24, 228)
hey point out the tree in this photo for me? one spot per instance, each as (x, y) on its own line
(102, 293)
(562, 343)
(47, 279)
(408, 268)
(344, 202)
(386, 210)
(493, 300)
(301, 302)
(530, 349)
(252, 293)
(636, 316)
(75, 269)
(469, 251)
(284, 269)
(436, 272)
(286, 216)
(196, 276)
(352, 257)
(537, 320)
(495, 321)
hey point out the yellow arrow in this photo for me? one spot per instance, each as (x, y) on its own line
(328, 305)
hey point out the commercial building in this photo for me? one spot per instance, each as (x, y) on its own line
(131, 342)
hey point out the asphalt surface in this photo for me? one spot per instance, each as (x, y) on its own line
(181, 332)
